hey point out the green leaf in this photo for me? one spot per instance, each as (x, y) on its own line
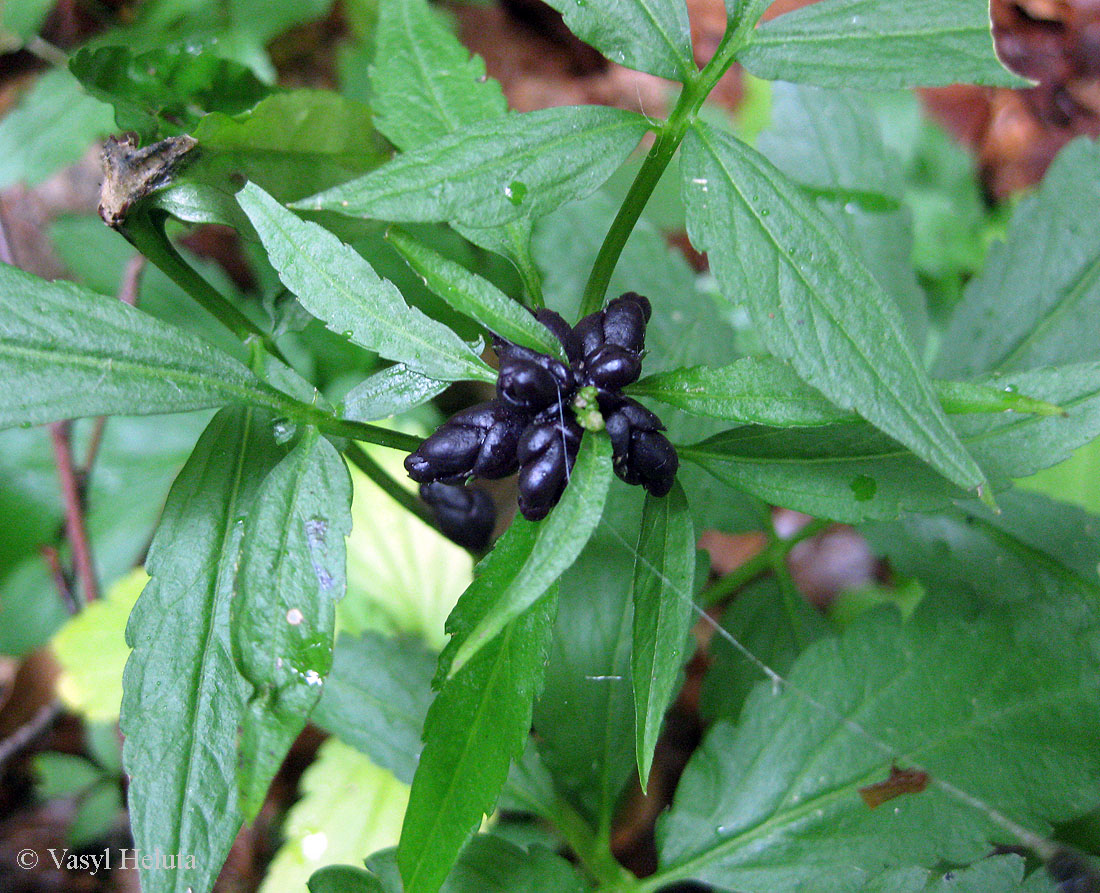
(53, 126)
(1037, 301)
(585, 718)
(21, 19)
(879, 45)
(490, 864)
(772, 628)
(97, 814)
(376, 698)
(766, 391)
(290, 576)
(183, 699)
(476, 297)
(424, 83)
(850, 472)
(341, 289)
(494, 172)
(818, 307)
(349, 807)
(662, 589)
(773, 804)
(344, 879)
(538, 553)
(648, 35)
(67, 352)
(164, 92)
(63, 774)
(478, 723)
(394, 390)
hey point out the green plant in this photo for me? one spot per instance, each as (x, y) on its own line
(796, 377)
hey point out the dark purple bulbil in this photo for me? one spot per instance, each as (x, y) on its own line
(466, 515)
(532, 427)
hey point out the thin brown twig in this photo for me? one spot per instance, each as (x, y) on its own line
(60, 579)
(128, 294)
(26, 733)
(75, 529)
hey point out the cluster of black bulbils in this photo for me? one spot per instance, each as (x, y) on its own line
(542, 408)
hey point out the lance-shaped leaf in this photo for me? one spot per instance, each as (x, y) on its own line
(545, 550)
(493, 172)
(878, 45)
(477, 725)
(183, 698)
(812, 300)
(339, 287)
(424, 83)
(648, 35)
(774, 803)
(390, 392)
(476, 297)
(1037, 301)
(766, 391)
(852, 473)
(663, 588)
(291, 576)
(66, 352)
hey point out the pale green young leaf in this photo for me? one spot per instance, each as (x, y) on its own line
(424, 83)
(476, 297)
(53, 126)
(376, 697)
(1037, 301)
(647, 35)
(767, 391)
(555, 543)
(290, 576)
(21, 19)
(340, 288)
(817, 306)
(183, 698)
(66, 352)
(496, 171)
(479, 722)
(850, 472)
(879, 45)
(662, 590)
(1018, 735)
(390, 392)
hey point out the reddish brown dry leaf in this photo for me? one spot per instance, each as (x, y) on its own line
(901, 781)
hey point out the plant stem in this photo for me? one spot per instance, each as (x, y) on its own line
(525, 266)
(669, 136)
(592, 853)
(330, 424)
(378, 475)
(76, 530)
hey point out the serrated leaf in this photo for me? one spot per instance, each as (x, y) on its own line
(819, 307)
(53, 126)
(63, 774)
(648, 35)
(340, 288)
(394, 390)
(554, 544)
(1017, 735)
(376, 697)
(478, 723)
(290, 576)
(425, 84)
(766, 391)
(67, 352)
(852, 473)
(879, 45)
(1037, 301)
(164, 92)
(494, 172)
(183, 699)
(476, 297)
(490, 864)
(349, 807)
(662, 590)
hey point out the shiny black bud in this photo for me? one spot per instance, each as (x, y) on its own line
(641, 454)
(478, 441)
(546, 455)
(466, 515)
(624, 321)
(563, 332)
(612, 367)
(527, 384)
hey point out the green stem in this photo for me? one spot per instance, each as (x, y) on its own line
(771, 556)
(669, 136)
(593, 854)
(525, 266)
(385, 481)
(330, 424)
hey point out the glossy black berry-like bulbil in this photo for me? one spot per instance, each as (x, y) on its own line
(546, 453)
(641, 454)
(466, 515)
(477, 442)
(612, 341)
